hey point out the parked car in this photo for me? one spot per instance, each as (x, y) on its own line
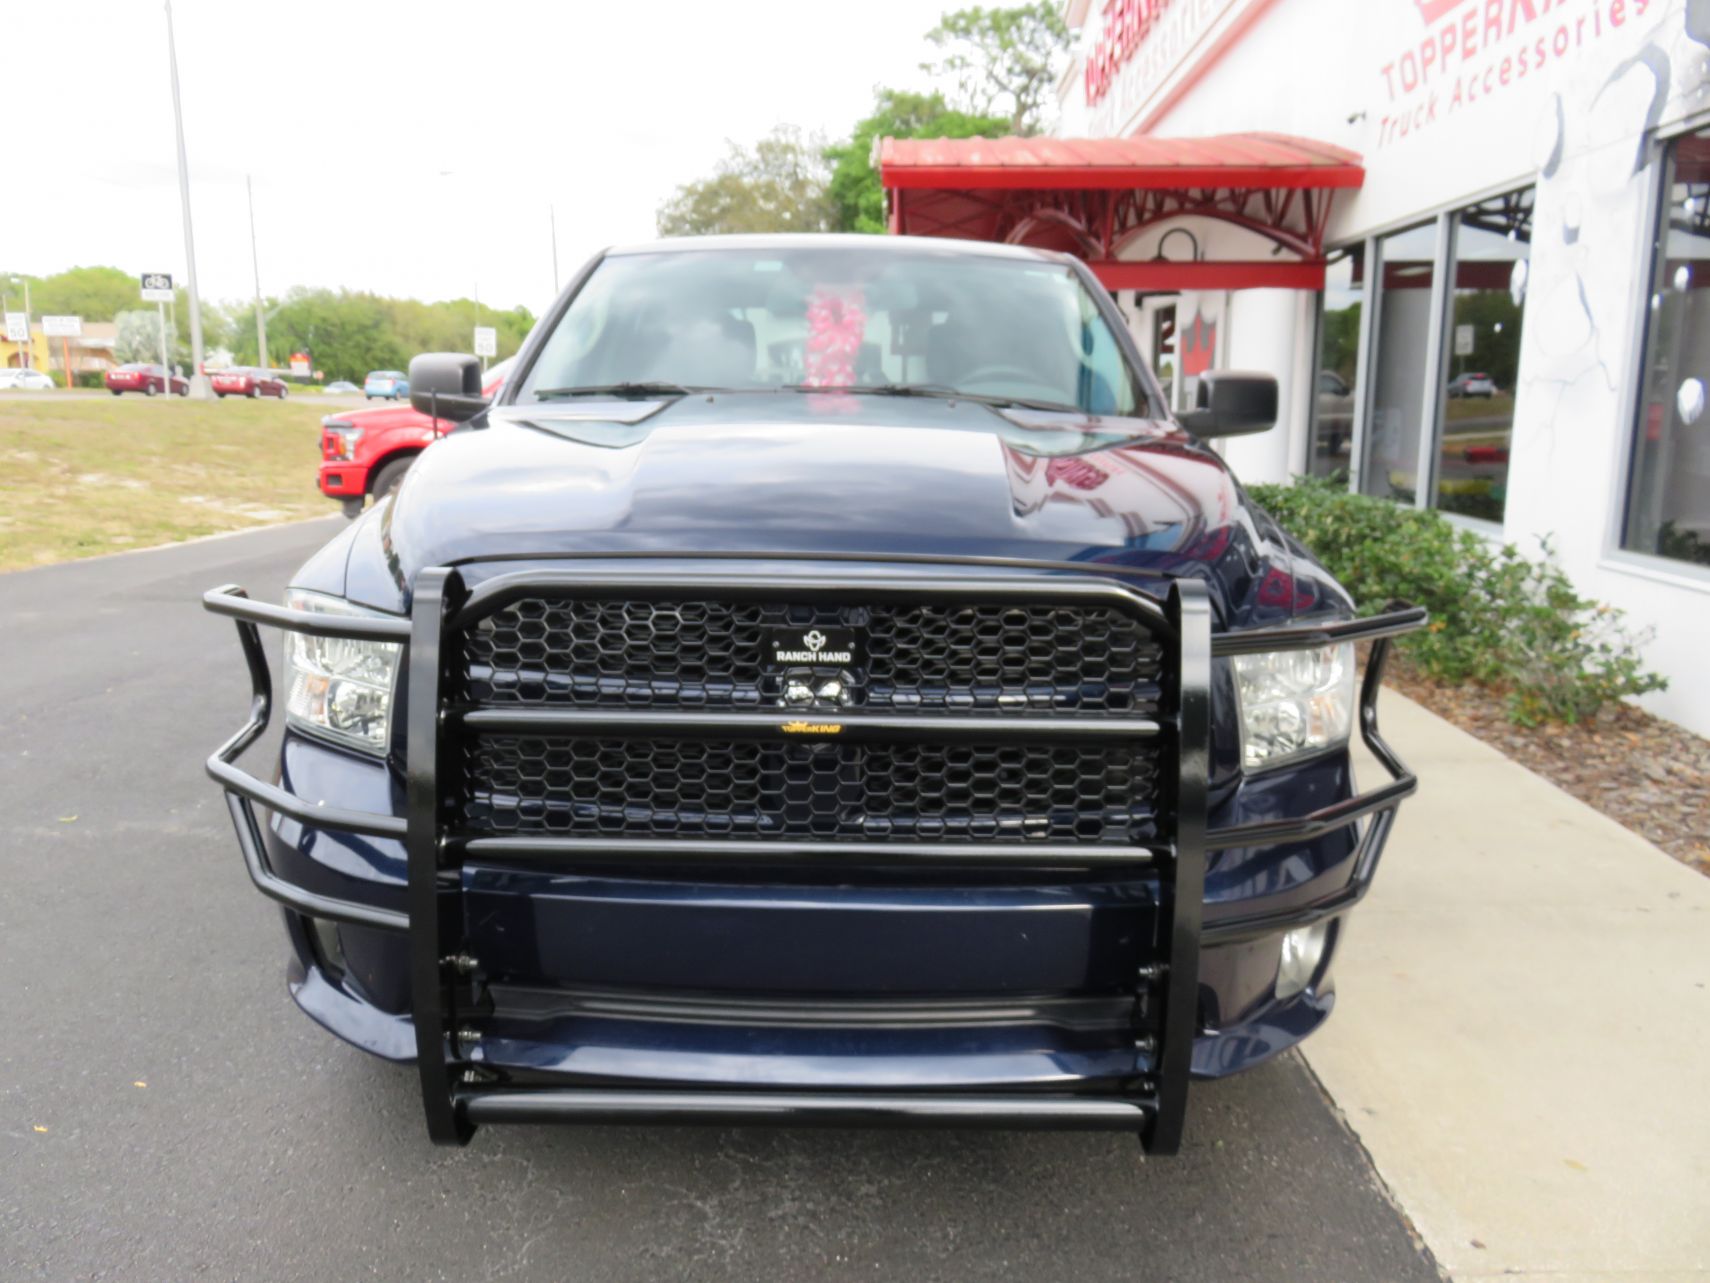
(250, 383)
(1335, 412)
(26, 381)
(685, 741)
(150, 380)
(1472, 385)
(342, 386)
(365, 453)
(393, 385)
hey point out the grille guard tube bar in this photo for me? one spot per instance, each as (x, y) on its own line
(1156, 1103)
(243, 790)
(1380, 803)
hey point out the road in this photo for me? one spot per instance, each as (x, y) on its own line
(166, 1113)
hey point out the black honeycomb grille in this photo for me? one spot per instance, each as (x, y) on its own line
(1024, 658)
(740, 789)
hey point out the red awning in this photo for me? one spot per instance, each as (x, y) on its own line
(1091, 196)
(1226, 160)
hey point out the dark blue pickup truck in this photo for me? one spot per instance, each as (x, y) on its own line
(827, 686)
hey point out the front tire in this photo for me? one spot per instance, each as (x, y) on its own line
(150, 389)
(283, 392)
(387, 479)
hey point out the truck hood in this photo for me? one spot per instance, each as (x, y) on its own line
(751, 474)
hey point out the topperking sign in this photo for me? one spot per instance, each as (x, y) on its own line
(1458, 53)
(1431, 59)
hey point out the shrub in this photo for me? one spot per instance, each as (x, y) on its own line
(1498, 617)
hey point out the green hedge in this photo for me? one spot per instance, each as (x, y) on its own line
(1498, 617)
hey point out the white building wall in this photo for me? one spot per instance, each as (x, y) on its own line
(1569, 94)
(1271, 330)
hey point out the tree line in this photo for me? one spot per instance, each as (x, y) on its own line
(997, 66)
(345, 333)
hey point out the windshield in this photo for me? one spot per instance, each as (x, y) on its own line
(821, 317)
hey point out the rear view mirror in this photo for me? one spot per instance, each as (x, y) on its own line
(447, 385)
(1231, 403)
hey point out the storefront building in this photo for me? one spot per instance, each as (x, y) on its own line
(1503, 316)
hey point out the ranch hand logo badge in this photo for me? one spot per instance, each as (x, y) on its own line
(818, 646)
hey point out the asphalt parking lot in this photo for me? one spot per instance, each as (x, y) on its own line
(168, 1114)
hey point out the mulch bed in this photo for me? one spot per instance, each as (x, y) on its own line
(1644, 773)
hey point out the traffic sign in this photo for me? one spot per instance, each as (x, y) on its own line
(486, 341)
(1463, 340)
(62, 327)
(17, 327)
(157, 287)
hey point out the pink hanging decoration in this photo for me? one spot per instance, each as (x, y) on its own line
(837, 323)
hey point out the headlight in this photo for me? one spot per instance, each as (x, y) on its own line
(342, 438)
(1294, 703)
(337, 689)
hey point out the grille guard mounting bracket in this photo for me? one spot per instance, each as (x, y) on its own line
(1154, 1103)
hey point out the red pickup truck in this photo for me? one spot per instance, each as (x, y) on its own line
(367, 452)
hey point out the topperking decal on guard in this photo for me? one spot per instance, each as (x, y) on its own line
(817, 644)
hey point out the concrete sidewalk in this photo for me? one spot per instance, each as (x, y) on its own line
(1522, 1033)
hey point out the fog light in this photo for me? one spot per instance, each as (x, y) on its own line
(328, 949)
(1302, 951)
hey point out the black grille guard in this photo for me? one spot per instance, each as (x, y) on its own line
(1153, 1101)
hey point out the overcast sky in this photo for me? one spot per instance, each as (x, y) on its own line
(412, 147)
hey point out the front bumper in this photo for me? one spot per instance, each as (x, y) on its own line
(1114, 980)
(342, 480)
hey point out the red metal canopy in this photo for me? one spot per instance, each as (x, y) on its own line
(1092, 196)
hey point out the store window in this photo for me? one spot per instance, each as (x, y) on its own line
(1338, 357)
(1391, 464)
(1481, 354)
(1668, 497)
(1164, 351)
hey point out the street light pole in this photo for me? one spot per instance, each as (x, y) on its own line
(27, 340)
(255, 262)
(198, 381)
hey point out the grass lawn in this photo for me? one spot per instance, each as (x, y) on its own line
(1500, 406)
(82, 475)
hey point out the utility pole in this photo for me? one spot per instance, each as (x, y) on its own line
(24, 348)
(255, 262)
(198, 381)
(552, 214)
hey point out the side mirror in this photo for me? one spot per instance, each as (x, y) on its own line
(1232, 403)
(447, 385)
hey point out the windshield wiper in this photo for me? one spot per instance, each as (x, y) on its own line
(942, 392)
(621, 389)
